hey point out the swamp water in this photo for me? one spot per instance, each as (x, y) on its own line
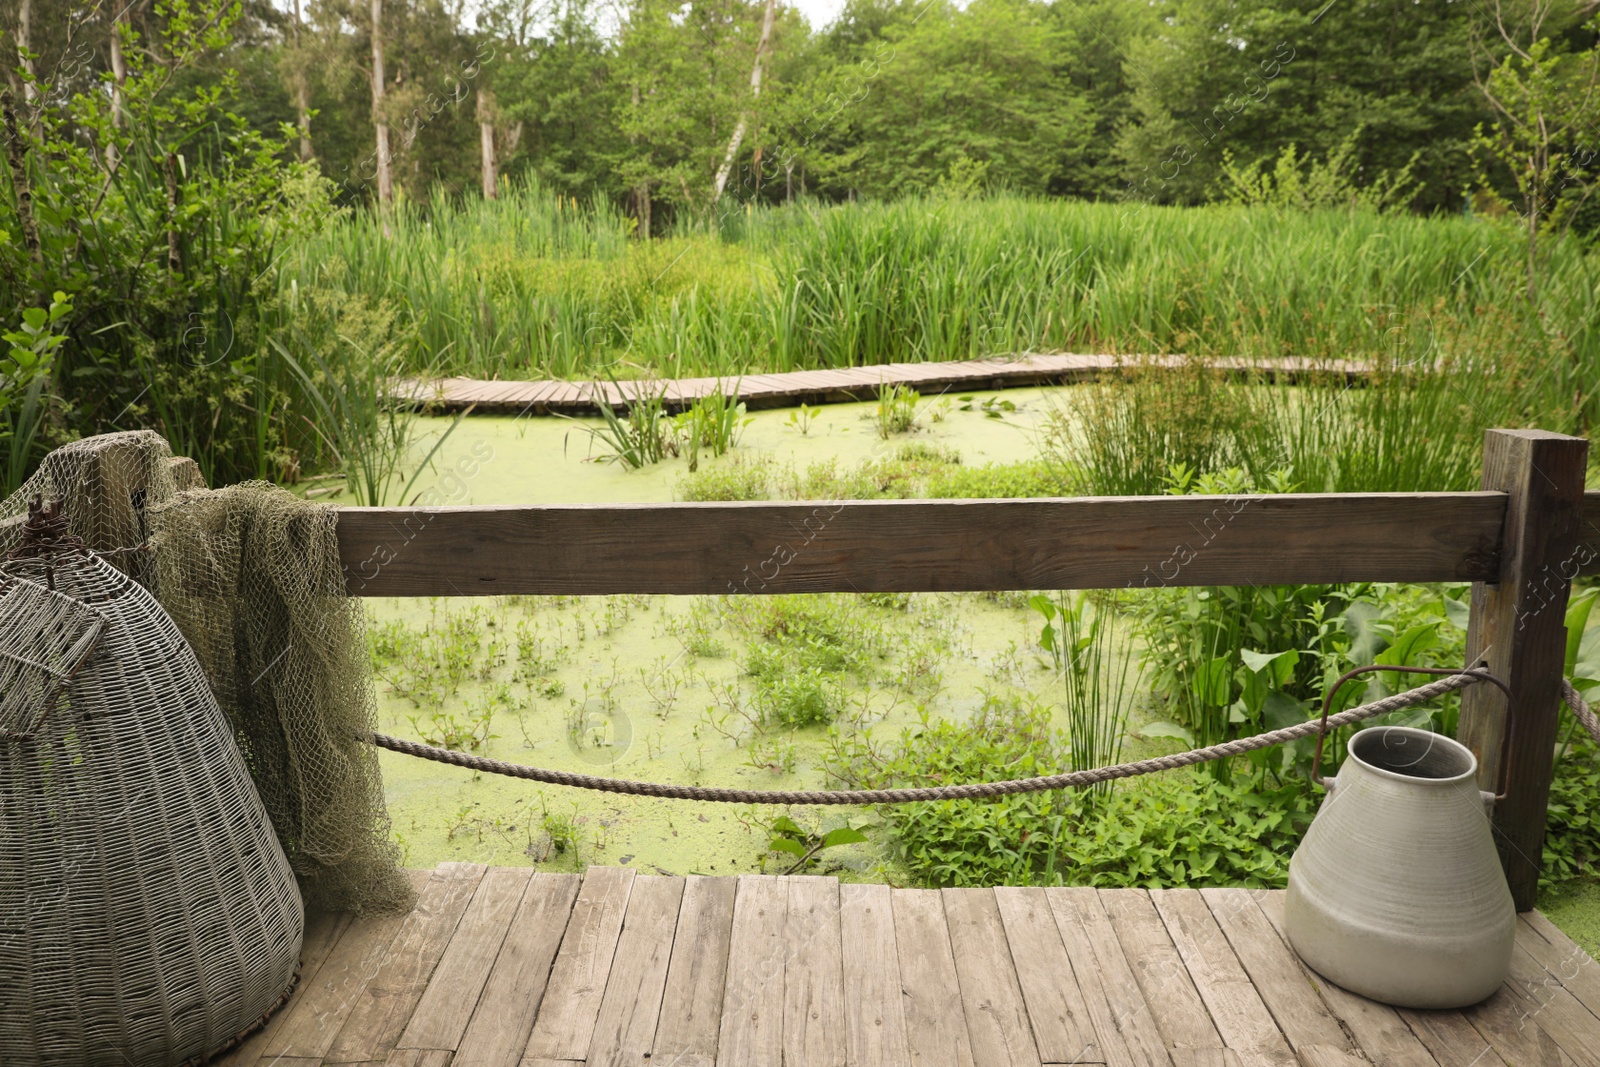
(660, 688)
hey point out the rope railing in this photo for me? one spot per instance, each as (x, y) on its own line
(971, 790)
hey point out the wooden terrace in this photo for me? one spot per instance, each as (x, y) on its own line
(504, 967)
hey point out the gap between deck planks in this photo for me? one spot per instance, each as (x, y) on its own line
(504, 967)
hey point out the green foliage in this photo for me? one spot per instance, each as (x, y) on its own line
(1572, 833)
(1097, 669)
(792, 840)
(1177, 829)
(24, 373)
(713, 422)
(738, 479)
(1298, 182)
(896, 410)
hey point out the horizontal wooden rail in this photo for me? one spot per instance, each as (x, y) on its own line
(926, 545)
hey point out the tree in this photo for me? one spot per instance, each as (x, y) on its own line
(1543, 98)
(380, 121)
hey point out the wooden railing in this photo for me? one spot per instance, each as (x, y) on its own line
(1521, 540)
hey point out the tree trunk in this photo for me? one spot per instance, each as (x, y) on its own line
(486, 143)
(119, 74)
(755, 91)
(385, 177)
(641, 192)
(302, 92)
(24, 28)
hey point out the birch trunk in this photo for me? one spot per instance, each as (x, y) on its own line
(385, 177)
(302, 92)
(24, 30)
(486, 142)
(755, 91)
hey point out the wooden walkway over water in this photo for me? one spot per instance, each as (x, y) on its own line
(502, 967)
(789, 388)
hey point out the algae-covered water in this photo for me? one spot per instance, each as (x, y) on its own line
(661, 688)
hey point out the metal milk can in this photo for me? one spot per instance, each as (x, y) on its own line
(1397, 891)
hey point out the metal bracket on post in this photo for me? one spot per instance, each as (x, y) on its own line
(1518, 630)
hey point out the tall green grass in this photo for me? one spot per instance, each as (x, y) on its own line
(536, 285)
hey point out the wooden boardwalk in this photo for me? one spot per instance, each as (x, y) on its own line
(823, 386)
(502, 967)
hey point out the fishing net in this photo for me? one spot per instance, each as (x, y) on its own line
(147, 914)
(251, 576)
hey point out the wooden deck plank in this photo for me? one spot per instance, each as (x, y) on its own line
(813, 980)
(441, 1015)
(1555, 1009)
(625, 1030)
(498, 1030)
(565, 1024)
(1451, 1039)
(751, 1030)
(874, 1012)
(380, 1016)
(1561, 957)
(1062, 1028)
(691, 1009)
(1236, 1008)
(1509, 1023)
(314, 1017)
(321, 935)
(1179, 1011)
(419, 1057)
(1124, 1027)
(824, 975)
(1296, 1006)
(997, 1017)
(936, 1028)
(1378, 1029)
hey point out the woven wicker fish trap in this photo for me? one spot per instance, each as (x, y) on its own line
(148, 915)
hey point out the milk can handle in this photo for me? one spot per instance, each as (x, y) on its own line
(1480, 672)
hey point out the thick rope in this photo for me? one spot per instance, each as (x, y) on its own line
(1581, 710)
(969, 791)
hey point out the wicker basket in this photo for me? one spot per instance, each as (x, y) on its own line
(147, 913)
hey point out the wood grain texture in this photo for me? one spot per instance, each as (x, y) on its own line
(1517, 626)
(1549, 1004)
(1236, 1007)
(381, 1014)
(691, 1008)
(936, 1027)
(1123, 1024)
(1062, 1028)
(502, 1020)
(323, 932)
(874, 1014)
(319, 1010)
(920, 545)
(813, 980)
(1451, 1039)
(1561, 957)
(565, 1025)
(441, 1015)
(625, 1030)
(1164, 980)
(1296, 1006)
(751, 1029)
(1379, 1030)
(997, 1017)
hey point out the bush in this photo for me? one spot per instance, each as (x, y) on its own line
(1176, 829)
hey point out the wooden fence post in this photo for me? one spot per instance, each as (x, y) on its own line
(1518, 627)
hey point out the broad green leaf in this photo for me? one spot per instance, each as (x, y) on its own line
(1577, 622)
(1280, 711)
(789, 845)
(1457, 611)
(844, 835)
(785, 825)
(35, 317)
(1167, 729)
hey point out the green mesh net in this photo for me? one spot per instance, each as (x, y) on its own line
(251, 575)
